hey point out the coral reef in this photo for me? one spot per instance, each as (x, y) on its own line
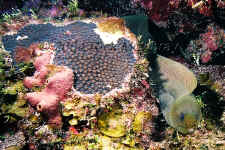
(18, 108)
(111, 7)
(113, 123)
(56, 86)
(84, 69)
(100, 63)
(16, 141)
(159, 11)
(210, 44)
(41, 71)
(103, 64)
(214, 79)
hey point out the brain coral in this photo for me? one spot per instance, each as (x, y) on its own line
(101, 52)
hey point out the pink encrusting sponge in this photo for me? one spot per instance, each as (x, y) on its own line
(47, 101)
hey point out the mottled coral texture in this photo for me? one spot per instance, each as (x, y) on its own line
(99, 65)
(94, 59)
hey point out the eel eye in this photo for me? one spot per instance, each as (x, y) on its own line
(182, 116)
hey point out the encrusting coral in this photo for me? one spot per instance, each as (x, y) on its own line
(100, 63)
(93, 56)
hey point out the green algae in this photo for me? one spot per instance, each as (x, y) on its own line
(108, 144)
(100, 142)
(112, 123)
(77, 108)
(12, 104)
(18, 108)
(205, 79)
(140, 119)
(73, 121)
(14, 88)
(74, 147)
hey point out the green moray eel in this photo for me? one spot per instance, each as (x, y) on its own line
(173, 85)
(172, 82)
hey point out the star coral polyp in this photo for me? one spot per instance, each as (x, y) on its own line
(82, 58)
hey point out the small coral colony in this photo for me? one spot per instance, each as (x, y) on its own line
(105, 75)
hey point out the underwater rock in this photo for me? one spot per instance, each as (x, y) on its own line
(46, 134)
(173, 84)
(15, 142)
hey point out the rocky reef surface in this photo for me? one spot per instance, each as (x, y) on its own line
(87, 84)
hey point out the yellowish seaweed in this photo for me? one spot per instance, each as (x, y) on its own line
(140, 120)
